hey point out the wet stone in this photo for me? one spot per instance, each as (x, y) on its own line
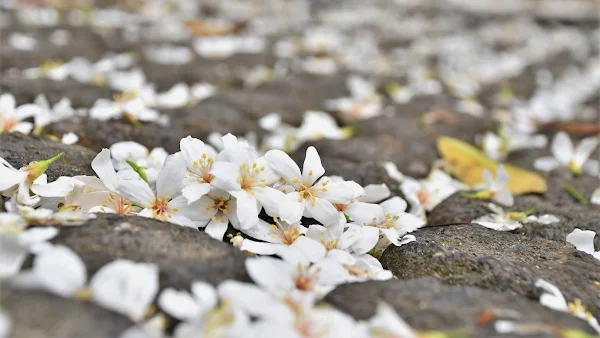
(427, 304)
(20, 150)
(183, 254)
(81, 95)
(471, 255)
(36, 314)
(96, 134)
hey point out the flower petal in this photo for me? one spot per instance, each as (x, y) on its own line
(138, 192)
(168, 182)
(585, 148)
(179, 304)
(562, 148)
(283, 165)
(583, 240)
(312, 168)
(194, 192)
(546, 163)
(217, 227)
(103, 167)
(323, 211)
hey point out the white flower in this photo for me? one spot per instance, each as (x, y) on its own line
(32, 178)
(576, 159)
(498, 220)
(122, 152)
(82, 70)
(391, 220)
(310, 193)
(278, 236)
(200, 313)
(216, 211)
(12, 118)
(178, 96)
(366, 267)
(317, 125)
(202, 91)
(543, 219)
(583, 241)
(16, 241)
(125, 287)
(248, 178)
(387, 323)
(62, 110)
(166, 204)
(221, 47)
(280, 277)
(432, 191)
(53, 70)
(169, 54)
(56, 269)
(494, 189)
(199, 159)
(319, 65)
(498, 146)
(554, 299)
(364, 103)
(354, 239)
(22, 41)
(104, 109)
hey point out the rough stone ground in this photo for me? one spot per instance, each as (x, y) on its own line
(447, 279)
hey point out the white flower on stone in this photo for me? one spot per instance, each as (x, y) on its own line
(364, 102)
(311, 194)
(366, 267)
(387, 323)
(56, 269)
(248, 178)
(125, 105)
(564, 154)
(53, 70)
(498, 146)
(12, 117)
(125, 287)
(166, 204)
(178, 96)
(122, 152)
(279, 276)
(62, 110)
(200, 313)
(202, 91)
(498, 220)
(494, 189)
(392, 220)
(554, 299)
(199, 158)
(317, 125)
(584, 241)
(16, 242)
(32, 178)
(217, 210)
(319, 65)
(84, 71)
(430, 192)
(221, 47)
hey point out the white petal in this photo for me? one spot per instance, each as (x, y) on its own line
(388, 321)
(193, 149)
(69, 138)
(323, 211)
(125, 287)
(596, 197)
(504, 197)
(583, 240)
(103, 167)
(546, 163)
(338, 192)
(217, 227)
(194, 192)
(59, 188)
(23, 127)
(553, 299)
(12, 256)
(283, 165)
(272, 200)
(376, 193)
(370, 236)
(312, 168)
(179, 304)
(246, 210)
(226, 175)
(270, 273)
(59, 270)
(585, 148)
(137, 191)
(312, 249)
(10, 177)
(394, 205)
(7, 103)
(562, 148)
(487, 178)
(260, 248)
(168, 182)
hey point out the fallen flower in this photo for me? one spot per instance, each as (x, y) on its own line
(576, 159)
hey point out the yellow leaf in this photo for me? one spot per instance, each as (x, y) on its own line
(467, 164)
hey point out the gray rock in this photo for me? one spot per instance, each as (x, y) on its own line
(471, 255)
(428, 305)
(36, 314)
(183, 254)
(20, 150)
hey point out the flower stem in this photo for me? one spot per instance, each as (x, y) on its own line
(576, 195)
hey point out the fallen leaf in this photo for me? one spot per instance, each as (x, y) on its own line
(205, 28)
(467, 163)
(573, 128)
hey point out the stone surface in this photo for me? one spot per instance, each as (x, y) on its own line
(20, 150)
(183, 254)
(427, 304)
(471, 255)
(36, 314)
